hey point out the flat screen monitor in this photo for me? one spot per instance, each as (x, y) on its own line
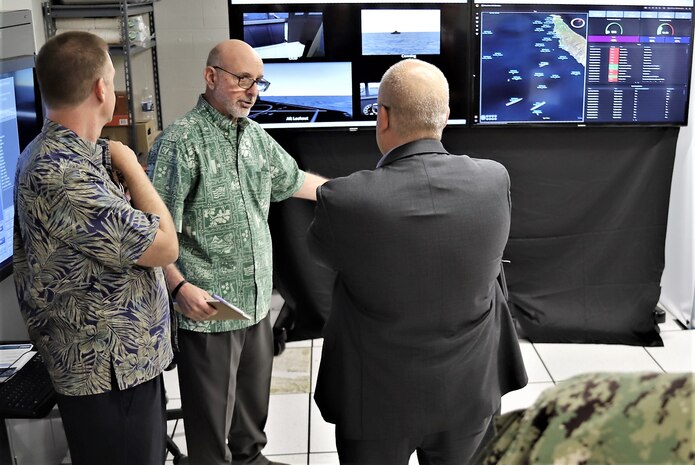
(20, 122)
(615, 62)
(324, 60)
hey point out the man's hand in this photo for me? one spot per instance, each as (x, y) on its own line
(122, 156)
(191, 302)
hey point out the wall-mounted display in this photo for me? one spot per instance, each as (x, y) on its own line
(20, 121)
(623, 62)
(324, 60)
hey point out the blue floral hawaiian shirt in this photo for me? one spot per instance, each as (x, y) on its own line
(89, 309)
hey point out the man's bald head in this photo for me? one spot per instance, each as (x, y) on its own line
(227, 53)
(417, 96)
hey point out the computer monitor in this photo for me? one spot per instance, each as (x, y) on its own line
(20, 122)
(324, 60)
(614, 62)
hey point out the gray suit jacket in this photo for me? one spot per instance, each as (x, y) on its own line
(419, 339)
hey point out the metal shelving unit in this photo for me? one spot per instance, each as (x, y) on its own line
(122, 9)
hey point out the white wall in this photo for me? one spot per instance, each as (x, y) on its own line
(678, 280)
(186, 32)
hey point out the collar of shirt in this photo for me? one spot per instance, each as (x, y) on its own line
(409, 149)
(382, 160)
(94, 152)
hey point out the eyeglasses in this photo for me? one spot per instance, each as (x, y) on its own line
(246, 82)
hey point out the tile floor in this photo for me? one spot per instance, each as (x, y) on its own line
(298, 435)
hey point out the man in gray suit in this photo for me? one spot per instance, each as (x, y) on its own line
(419, 346)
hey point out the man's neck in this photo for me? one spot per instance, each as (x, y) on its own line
(78, 120)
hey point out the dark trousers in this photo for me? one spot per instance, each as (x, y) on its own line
(455, 447)
(117, 427)
(225, 389)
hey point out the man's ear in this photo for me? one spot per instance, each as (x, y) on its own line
(384, 118)
(100, 90)
(210, 76)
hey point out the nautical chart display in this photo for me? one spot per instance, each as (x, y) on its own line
(605, 62)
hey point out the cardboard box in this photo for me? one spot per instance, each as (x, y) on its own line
(145, 134)
(120, 112)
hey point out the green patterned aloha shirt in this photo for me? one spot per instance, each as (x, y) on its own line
(87, 306)
(218, 178)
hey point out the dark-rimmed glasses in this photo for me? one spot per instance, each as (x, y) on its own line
(246, 82)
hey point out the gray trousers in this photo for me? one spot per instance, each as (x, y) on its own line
(225, 388)
(455, 447)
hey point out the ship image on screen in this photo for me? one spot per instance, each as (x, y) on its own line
(533, 66)
(401, 32)
(302, 93)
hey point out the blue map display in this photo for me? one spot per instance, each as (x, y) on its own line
(533, 67)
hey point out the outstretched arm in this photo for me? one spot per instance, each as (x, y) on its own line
(308, 189)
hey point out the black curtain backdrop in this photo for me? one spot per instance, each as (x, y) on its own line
(589, 211)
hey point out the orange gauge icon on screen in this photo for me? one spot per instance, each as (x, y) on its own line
(665, 29)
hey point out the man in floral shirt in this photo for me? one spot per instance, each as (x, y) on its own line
(87, 263)
(218, 171)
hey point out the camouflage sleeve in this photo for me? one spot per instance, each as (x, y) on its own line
(627, 418)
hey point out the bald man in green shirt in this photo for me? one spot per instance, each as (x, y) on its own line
(218, 171)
